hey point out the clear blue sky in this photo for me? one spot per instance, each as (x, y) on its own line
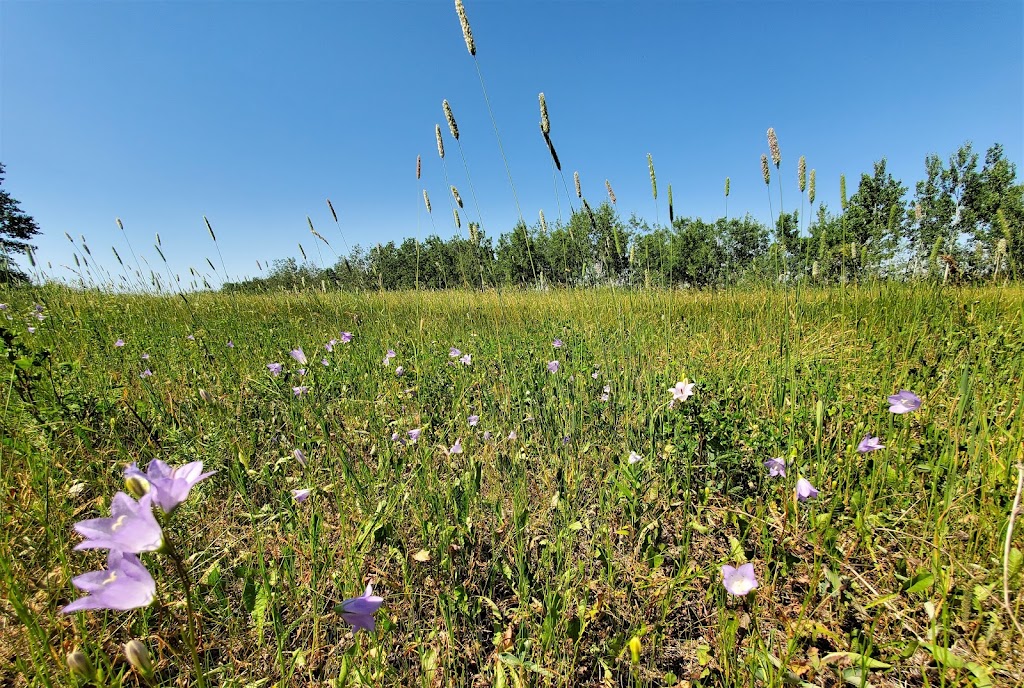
(253, 113)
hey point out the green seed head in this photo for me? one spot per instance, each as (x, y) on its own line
(801, 173)
(654, 181)
(765, 170)
(579, 190)
(458, 222)
(440, 141)
(456, 196)
(545, 123)
(810, 188)
(452, 126)
(426, 200)
(842, 191)
(727, 187)
(543, 223)
(467, 33)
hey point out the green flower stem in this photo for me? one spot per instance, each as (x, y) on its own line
(186, 586)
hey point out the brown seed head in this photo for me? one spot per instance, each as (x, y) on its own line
(773, 147)
(467, 33)
(452, 126)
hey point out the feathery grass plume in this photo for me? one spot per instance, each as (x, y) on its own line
(842, 191)
(452, 126)
(458, 221)
(773, 147)
(419, 167)
(467, 33)
(611, 194)
(579, 189)
(121, 262)
(331, 207)
(551, 149)
(654, 180)
(543, 223)
(765, 170)
(303, 252)
(426, 200)
(918, 211)
(440, 142)
(811, 186)
(801, 173)
(545, 123)
(727, 180)
(457, 197)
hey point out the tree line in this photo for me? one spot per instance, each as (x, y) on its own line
(963, 222)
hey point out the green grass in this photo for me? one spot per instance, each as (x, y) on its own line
(548, 559)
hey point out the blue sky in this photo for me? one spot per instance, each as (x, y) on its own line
(254, 113)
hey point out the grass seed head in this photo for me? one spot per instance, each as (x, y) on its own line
(842, 191)
(579, 189)
(440, 141)
(543, 223)
(811, 187)
(458, 198)
(654, 181)
(766, 172)
(426, 200)
(727, 187)
(773, 147)
(918, 211)
(452, 126)
(467, 32)
(545, 123)
(419, 167)
(458, 221)
(209, 228)
(801, 173)
(611, 194)
(671, 212)
(331, 206)
(554, 155)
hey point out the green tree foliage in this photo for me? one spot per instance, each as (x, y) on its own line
(874, 221)
(16, 229)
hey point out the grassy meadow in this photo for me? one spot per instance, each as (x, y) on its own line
(540, 555)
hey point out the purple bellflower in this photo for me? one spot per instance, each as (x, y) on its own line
(274, 368)
(776, 467)
(299, 356)
(131, 527)
(904, 402)
(739, 581)
(804, 490)
(359, 611)
(553, 366)
(870, 444)
(168, 486)
(124, 584)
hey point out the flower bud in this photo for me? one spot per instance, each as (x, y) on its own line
(80, 664)
(137, 486)
(138, 656)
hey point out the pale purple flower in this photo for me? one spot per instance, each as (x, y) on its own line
(682, 391)
(388, 356)
(31, 330)
(299, 356)
(300, 456)
(144, 357)
(124, 584)
(131, 527)
(301, 495)
(739, 581)
(300, 390)
(870, 444)
(488, 435)
(346, 337)
(204, 395)
(399, 371)
(146, 373)
(119, 343)
(231, 344)
(634, 458)
(473, 420)
(274, 368)
(454, 353)
(552, 366)
(40, 317)
(324, 362)
(330, 345)
(414, 435)
(566, 439)
(359, 611)
(904, 402)
(466, 360)
(595, 374)
(804, 490)
(191, 337)
(301, 372)
(3, 306)
(512, 435)
(605, 397)
(168, 486)
(39, 308)
(558, 343)
(395, 437)
(456, 448)
(776, 467)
